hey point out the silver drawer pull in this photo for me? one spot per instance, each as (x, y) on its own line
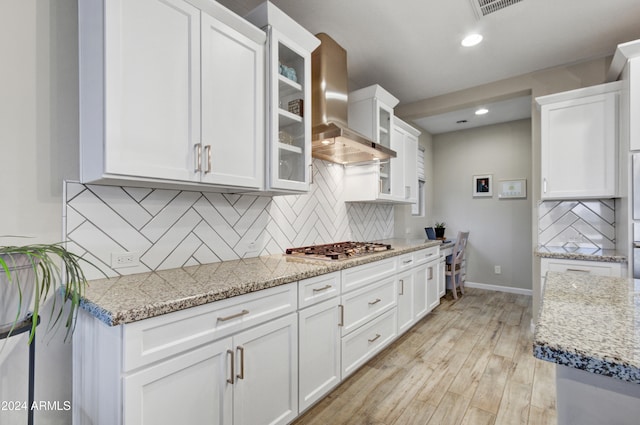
(578, 270)
(376, 301)
(374, 338)
(324, 288)
(407, 262)
(341, 315)
(233, 316)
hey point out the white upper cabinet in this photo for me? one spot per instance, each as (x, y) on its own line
(408, 139)
(371, 114)
(394, 180)
(288, 99)
(171, 94)
(579, 143)
(232, 108)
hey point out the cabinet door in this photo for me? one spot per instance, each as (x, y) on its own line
(433, 296)
(420, 307)
(396, 171)
(405, 301)
(266, 389)
(152, 88)
(410, 154)
(320, 352)
(290, 126)
(442, 278)
(579, 147)
(232, 107)
(188, 389)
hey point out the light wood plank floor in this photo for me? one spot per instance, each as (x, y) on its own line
(469, 362)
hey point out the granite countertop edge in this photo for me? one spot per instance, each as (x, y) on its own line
(114, 316)
(604, 257)
(565, 332)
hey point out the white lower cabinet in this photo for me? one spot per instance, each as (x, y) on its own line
(405, 301)
(201, 365)
(367, 341)
(433, 295)
(266, 385)
(214, 384)
(319, 320)
(442, 278)
(164, 393)
(254, 359)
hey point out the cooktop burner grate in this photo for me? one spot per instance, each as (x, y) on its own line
(337, 251)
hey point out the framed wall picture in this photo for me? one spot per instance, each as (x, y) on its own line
(483, 185)
(515, 188)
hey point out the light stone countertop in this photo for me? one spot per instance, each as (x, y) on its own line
(591, 323)
(127, 299)
(584, 254)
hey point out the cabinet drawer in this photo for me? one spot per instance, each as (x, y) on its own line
(359, 276)
(319, 288)
(593, 267)
(406, 261)
(153, 339)
(364, 343)
(364, 304)
(425, 255)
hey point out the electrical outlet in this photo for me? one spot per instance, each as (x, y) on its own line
(497, 269)
(251, 246)
(120, 260)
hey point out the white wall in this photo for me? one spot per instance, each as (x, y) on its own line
(499, 228)
(38, 136)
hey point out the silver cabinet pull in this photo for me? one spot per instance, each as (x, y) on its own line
(544, 185)
(401, 286)
(578, 270)
(233, 367)
(376, 301)
(341, 315)
(233, 316)
(198, 154)
(207, 150)
(430, 273)
(407, 262)
(324, 288)
(310, 173)
(374, 338)
(241, 350)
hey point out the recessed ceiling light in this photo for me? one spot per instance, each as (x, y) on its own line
(482, 111)
(471, 40)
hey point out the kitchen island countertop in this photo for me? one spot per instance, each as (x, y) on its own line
(591, 323)
(130, 298)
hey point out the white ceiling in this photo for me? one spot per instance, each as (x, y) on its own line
(503, 111)
(412, 47)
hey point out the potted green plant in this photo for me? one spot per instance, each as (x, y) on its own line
(439, 227)
(31, 274)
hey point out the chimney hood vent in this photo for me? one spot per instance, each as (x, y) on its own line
(332, 139)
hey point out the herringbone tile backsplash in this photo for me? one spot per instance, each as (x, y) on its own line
(580, 224)
(172, 228)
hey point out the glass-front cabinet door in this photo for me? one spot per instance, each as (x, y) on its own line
(290, 126)
(289, 99)
(384, 120)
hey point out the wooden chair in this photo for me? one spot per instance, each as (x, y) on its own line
(453, 268)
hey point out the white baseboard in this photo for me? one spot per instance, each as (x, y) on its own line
(499, 288)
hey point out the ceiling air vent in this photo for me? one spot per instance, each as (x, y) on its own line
(485, 7)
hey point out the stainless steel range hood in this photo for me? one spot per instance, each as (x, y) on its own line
(332, 139)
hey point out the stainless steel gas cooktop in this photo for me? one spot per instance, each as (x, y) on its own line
(337, 251)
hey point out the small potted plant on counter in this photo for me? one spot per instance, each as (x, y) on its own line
(30, 274)
(439, 227)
